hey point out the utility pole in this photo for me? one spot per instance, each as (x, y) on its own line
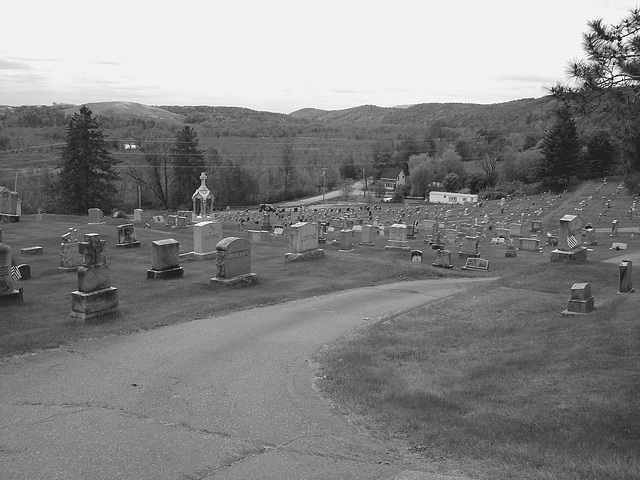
(324, 180)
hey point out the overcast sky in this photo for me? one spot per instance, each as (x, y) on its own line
(283, 55)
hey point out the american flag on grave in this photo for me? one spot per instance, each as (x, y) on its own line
(572, 242)
(15, 273)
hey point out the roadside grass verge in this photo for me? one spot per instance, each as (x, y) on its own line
(496, 383)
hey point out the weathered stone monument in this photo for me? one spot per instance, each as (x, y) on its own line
(95, 296)
(469, 247)
(127, 236)
(614, 228)
(165, 260)
(476, 264)
(137, 215)
(581, 300)
(206, 236)
(626, 285)
(569, 249)
(10, 205)
(529, 244)
(8, 292)
(416, 256)
(365, 236)
(304, 242)
(202, 200)
(536, 226)
(70, 256)
(346, 240)
(96, 217)
(511, 251)
(443, 259)
(233, 263)
(397, 238)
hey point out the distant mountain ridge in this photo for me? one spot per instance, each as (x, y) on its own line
(129, 109)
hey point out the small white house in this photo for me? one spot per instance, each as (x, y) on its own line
(449, 197)
(392, 178)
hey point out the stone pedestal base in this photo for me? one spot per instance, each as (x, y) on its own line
(240, 281)
(69, 269)
(578, 254)
(128, 245)
(468, 255)
(442, 265)
(367, 244)
(176, 272)
(579, 307)
(94, 304)
(11, 296)
(308, 255)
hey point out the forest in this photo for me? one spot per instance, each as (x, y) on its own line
(254, 157)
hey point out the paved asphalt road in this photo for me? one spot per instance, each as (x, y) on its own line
(221, 398)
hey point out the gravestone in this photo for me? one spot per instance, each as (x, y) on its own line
(365, 236)
(233, 263)
(95, 296)
(502, 232)
(158, 219)
(469, 247)
(165, 260)
(529, 244)
(258, 236)
(39, 215)
(202, 200)
(536, 226)
(581, 300)
(397, 238)
(70, 256)
(614, 228)
(569, 249)
(589, 236)
(626, 285)
(206, 236)
(266, 222)
(304, 242)
(10, 205)
(443, 259)
(618, 246)
(416, 256)
(8, 292)
(476, 263)
(511, 251)
(95, 216)
(137, 215)
(515, 230)
(346, 240)
(32, 250)
(127, 236)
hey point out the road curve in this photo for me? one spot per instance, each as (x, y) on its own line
(228, 397)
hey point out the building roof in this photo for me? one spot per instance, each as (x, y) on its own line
(390, 173)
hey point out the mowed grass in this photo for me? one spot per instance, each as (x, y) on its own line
(496, 383)
(43, 319)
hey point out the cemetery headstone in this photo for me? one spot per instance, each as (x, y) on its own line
(515, 230)
(569, 248)
(416, 256)
(127, 236)
(443, 259)
(397, 238)
(581, 300)
(32, 250)
(346, 240)
(8, 292)
(511, 251)
(70, 256)
(618, 246)
(202, 200)
(626, 285)
(158, 219)
(476, 264)
(10, 205)
(137, 215)
(529, 244)
(469, 247)
(206, 236)
(96, 217)
(24, 271)
(165, 260)
(233, 263)
(304, 242)
(536, 226)
(39, 215)
(365, 236)
(614, 228)
(95, 296)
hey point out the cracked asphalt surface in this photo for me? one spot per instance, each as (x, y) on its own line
(228, 397)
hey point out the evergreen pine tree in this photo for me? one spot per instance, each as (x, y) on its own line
(561, 153)
(86, 170)
(188, 164)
